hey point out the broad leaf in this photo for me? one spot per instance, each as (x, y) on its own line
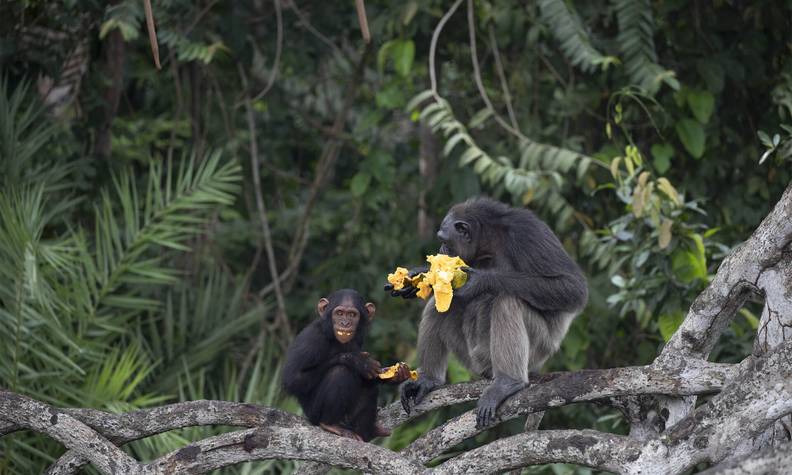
(691, 134)
(661, 155)
(701, 103)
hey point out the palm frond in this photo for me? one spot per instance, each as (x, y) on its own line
(636, 31)
(574, 40)
(166, 217)
(538, 162)
(197, 326)
(24, 132)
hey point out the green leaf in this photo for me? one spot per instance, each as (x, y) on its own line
(403, 54)
(691, 264)
(691, 134)
(382, 55)
(359, 184)
(574, 41)
(701, 103)
(661, 155)
(390, 97)
(669, 323)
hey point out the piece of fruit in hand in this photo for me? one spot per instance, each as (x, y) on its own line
(390, 371)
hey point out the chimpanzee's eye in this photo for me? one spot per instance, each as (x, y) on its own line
(461, 228)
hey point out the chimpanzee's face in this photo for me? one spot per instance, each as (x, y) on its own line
(456, 238)
(346, 319)
(345, 314)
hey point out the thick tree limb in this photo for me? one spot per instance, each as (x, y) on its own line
(34, 415)
(587, 447)
(580, 386)
(300, 442)
(771, 461)
(124, 428)
(735, 280)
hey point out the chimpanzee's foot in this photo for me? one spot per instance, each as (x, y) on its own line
(501, 388)
(342, 431)
(380, 431)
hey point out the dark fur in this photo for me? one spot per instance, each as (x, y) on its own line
(325, 375)
(523, 292)
(518, 255)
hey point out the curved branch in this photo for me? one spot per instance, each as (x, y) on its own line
(477, 76)
(433, 48)
(285, 443)
(699, 377)
(502, 76)
(771, 461)
(393, 414)
(124, 428)
(282, 317)
(735, 280)
(278, 49)
(39, 417)
(581, 447)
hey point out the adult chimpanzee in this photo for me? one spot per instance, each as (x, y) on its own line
(522, 292)
(327, 371)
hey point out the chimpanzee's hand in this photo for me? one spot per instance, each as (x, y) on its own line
(402, 374)
(408, 291)
(471, 286)
(413, 392)
(366, 366)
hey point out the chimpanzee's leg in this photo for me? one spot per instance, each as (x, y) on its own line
(335, 397)
(363, 419)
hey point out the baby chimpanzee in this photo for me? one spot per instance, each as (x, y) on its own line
(327, 371)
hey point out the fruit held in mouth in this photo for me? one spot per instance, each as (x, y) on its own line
(390, 371)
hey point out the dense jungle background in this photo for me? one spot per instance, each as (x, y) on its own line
(145, 212)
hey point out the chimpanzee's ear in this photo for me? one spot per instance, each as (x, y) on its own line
(371, 309)
(322, 306)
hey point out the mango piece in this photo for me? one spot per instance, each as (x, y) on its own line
(397, 278)
(390, 371)
(445, 274)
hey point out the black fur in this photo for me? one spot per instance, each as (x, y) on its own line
(327, 377)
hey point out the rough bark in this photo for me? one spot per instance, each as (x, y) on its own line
(742, 428)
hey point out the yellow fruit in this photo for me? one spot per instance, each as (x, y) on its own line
(445, 274)
(424, 289)
(390, 371)
(443, 295)
(397, 278)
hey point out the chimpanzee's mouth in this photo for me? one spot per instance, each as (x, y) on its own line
(446, 249)
(344, 333)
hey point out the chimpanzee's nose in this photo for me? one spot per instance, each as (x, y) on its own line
(441, 235)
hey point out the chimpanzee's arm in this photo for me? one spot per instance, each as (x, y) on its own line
(556, 292)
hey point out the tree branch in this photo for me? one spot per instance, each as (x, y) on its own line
(28, 413)
(569, 388)
(581, 447)
(735, 280)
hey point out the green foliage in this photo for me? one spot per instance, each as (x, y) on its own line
(69, 294)
(691, 134)
(575, 43)
(636, 40)
(23, 135)
(400, 52)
